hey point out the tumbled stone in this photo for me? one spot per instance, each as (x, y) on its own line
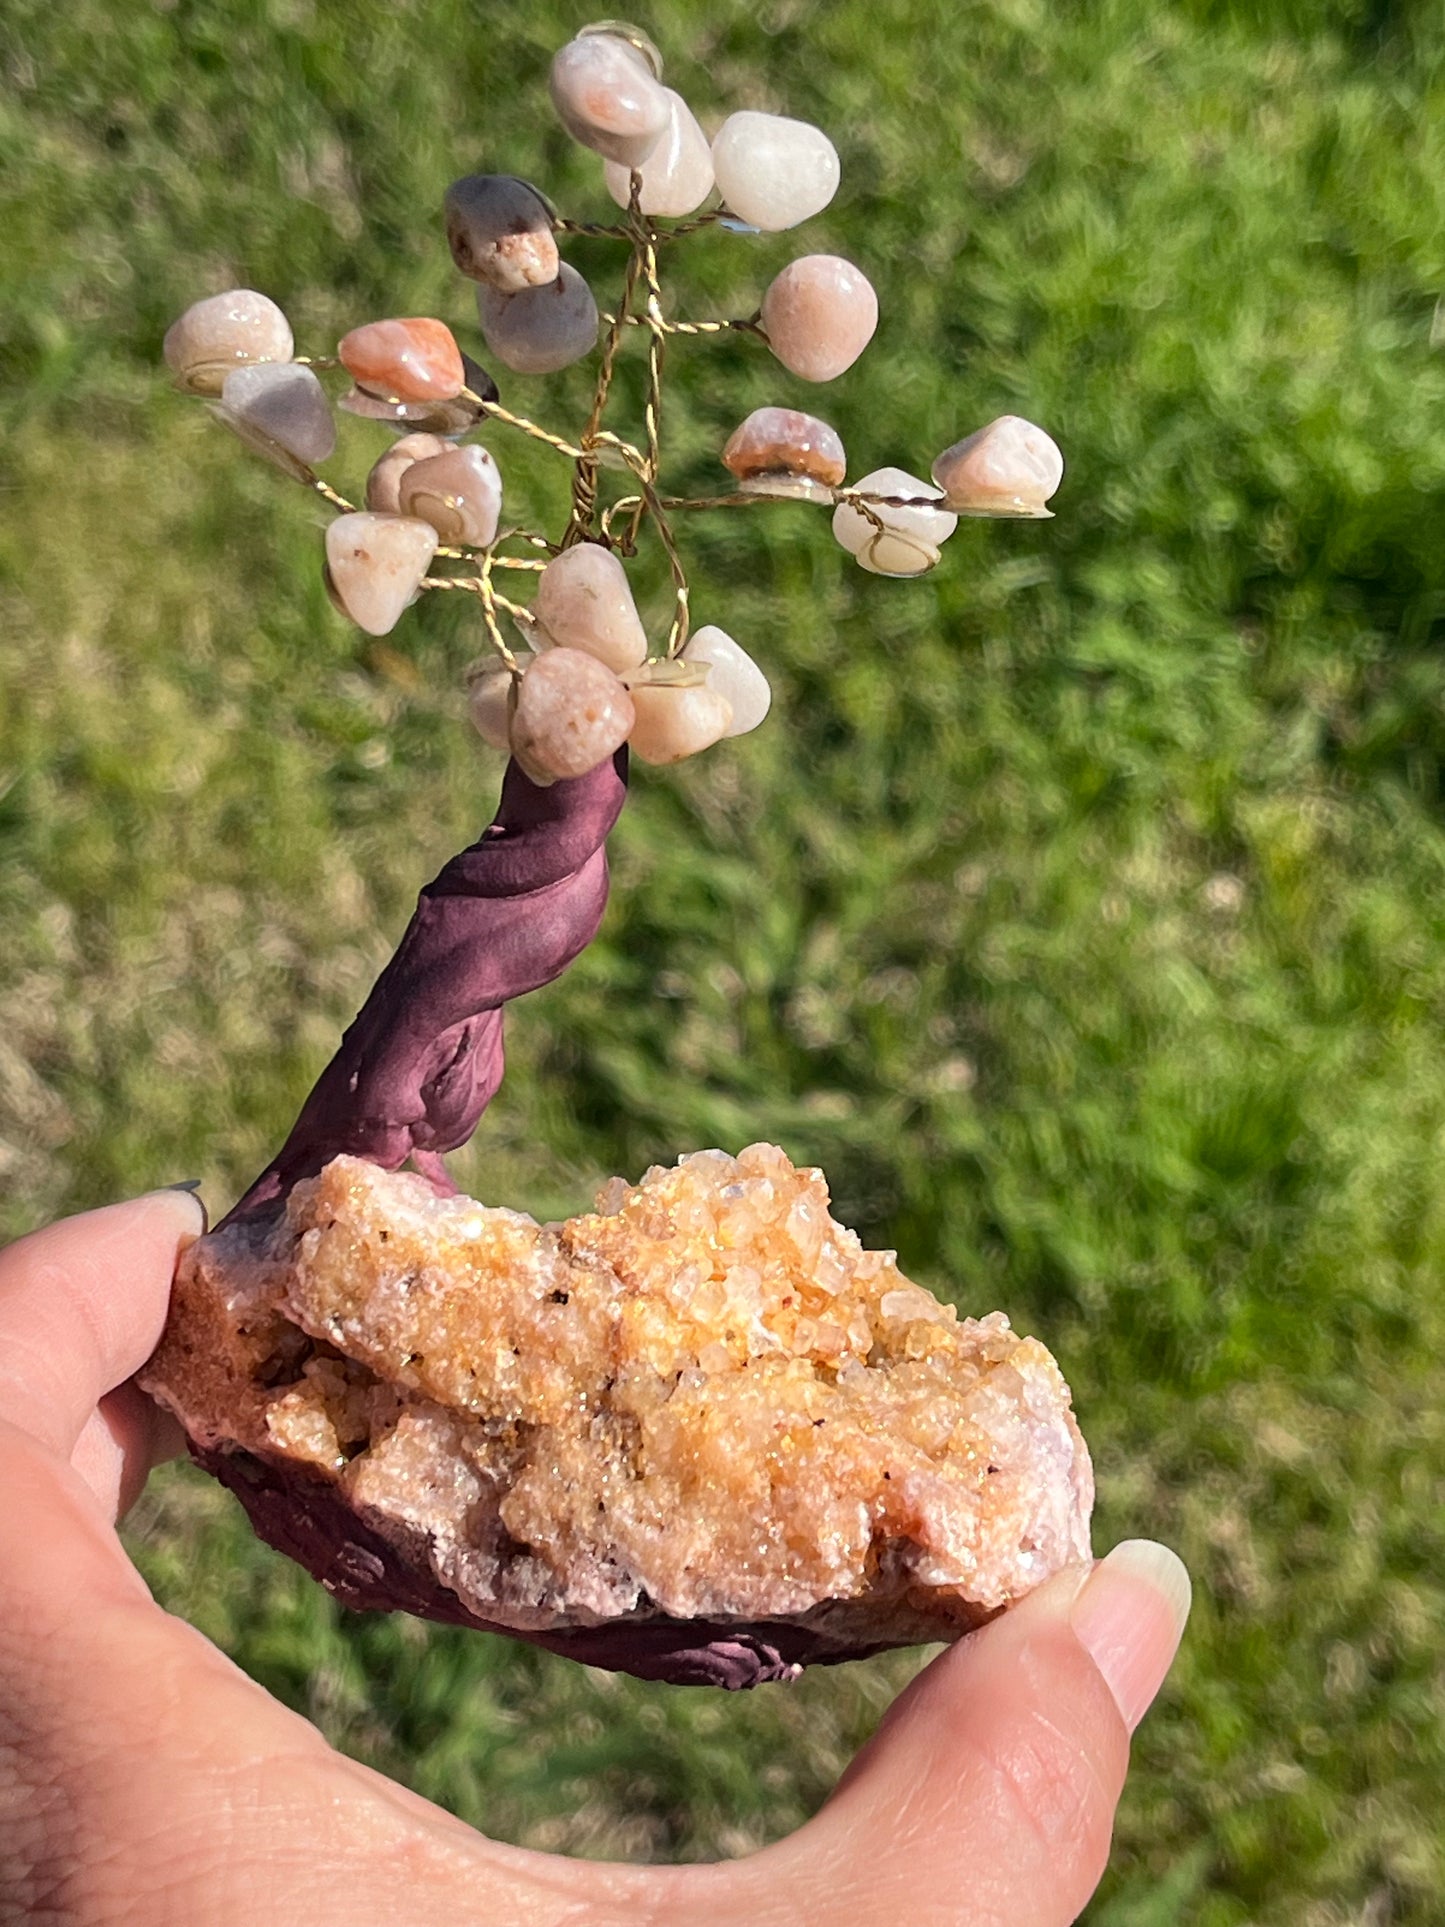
(221, 333)
(773, 172)
(1010, 468)
(704, 1400)
(542, 329)
(782, 451)
(910, 539)
(584, 601)
(499, 230)
(450, 417)
(490, 702)
(607, 96)
(819, 315)
(731, 674)
(383, 484)
(459, 493)
(571, 712)
(376, 563)
(674, 723)
(411, 359)
(279, 404)
(677, 175)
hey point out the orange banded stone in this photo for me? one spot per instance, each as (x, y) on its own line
(416, 359)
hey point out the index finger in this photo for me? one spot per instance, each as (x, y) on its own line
(82, 1305)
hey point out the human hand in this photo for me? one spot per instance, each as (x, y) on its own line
(145, 1779)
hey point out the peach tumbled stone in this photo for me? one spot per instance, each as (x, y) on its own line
(782, 451)
(674, 723)
(383, 484)
(499, 230)
(489, 702)
(278, 406)
(773, 172)
(677, 175)
(584, 601)
(459, 493)
(1010, 468)
(224, 332)
(910, 538)
(410, 359)
(607, 96)
(571, 712)
(375, 564)
(540, 330)
(819, 315)
(731, 674)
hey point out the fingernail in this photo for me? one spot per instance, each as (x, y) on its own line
(189, 1188)
(1129, 1617)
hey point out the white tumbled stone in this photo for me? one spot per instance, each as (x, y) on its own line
(910, 538)
(819, 315)
(276, 405)
(731, 674)
(773, 172)
(499, 230)
(608, 97)
(1010, 468)
(674, 723)
(376, 564)
(542, 329)
(383, 484)
(459, 492)
(677, 175)
(584, 601)
(224, 332)
(571, 711)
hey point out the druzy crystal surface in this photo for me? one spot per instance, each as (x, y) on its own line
(703, 1401)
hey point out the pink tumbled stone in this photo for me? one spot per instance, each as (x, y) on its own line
(410, 359)
(489, 702)
(571, 712)
(458, 492)
(674, 723)
(375, 564)
(542, 329)
(383, 484)
(224, 332)
(677, 175)
(819, 315)
(782, 451)
(1009, 468)
(500, 232)
(607, 96)
(584, 601)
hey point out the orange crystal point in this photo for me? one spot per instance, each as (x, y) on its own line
(416, 359)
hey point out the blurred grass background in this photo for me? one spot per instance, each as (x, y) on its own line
(1079, 910)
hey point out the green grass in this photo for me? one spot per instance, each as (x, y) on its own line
(1080, 909)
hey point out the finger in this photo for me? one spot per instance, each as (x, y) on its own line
(988, 1793)
(125, 1438)
(82, 1304)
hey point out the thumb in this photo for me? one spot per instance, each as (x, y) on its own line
(988, 1793)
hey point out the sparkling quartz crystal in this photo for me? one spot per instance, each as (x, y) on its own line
(607, 96)
(1010, 468)
(221, 333)
(675, 722)
(731, 674)
(819, 315)
(414, 359)
(375, 564)
(677, 175)
(704, 1401)
(383, 484)
(500, 231)
(489, 701)
(584, 601)
(773, 172)
(909, 541)
(459, 493)
(542, 329)
(571, 713)
(781, 451)
(276, 406)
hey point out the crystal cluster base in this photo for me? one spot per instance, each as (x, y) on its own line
(697, 1423)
